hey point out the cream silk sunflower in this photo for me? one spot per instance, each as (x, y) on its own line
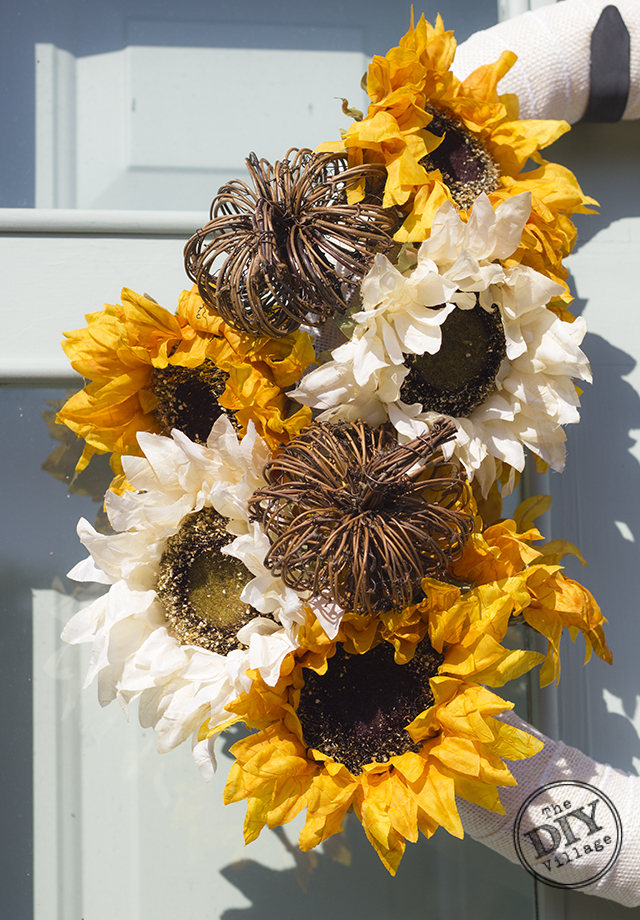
(151, 370)
(445, 139)
(460, 334)
(391, 718)
(190, 607)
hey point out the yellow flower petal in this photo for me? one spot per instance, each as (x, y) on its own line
(329, 798)
(530, 509)
(435, 795)
(417, 74)
(123, 344)
(512, 743)
(461, 745)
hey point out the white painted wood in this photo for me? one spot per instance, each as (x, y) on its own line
(101, 223)
(56, 764)
(163, 128)
(605, 273)
(507, 9)
(55, 127)
(119, 830)
(596, 502)
(57, 266)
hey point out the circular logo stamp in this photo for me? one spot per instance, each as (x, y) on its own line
(567, 834)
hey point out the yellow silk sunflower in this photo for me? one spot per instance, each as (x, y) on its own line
(502, 558)
(152, 370)
(442, 139)
(390, 719)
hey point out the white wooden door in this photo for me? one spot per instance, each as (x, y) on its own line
(119, 831)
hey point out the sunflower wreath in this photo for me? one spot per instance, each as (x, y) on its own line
(308, 540)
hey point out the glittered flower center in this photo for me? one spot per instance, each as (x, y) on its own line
(200, 586)
(467, 167)
(462, 374)
(188, 399)
(357, 711)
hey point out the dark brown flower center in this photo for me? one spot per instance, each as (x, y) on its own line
(462, 374)
(200, 587)
(357, 711)
(188, 399)
(466, 165)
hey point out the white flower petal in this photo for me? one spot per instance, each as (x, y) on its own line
(204, 756)
(511, 216)
(534, 395)
(480, 233)
(134, 655)
(328, 614)
(266, 654)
